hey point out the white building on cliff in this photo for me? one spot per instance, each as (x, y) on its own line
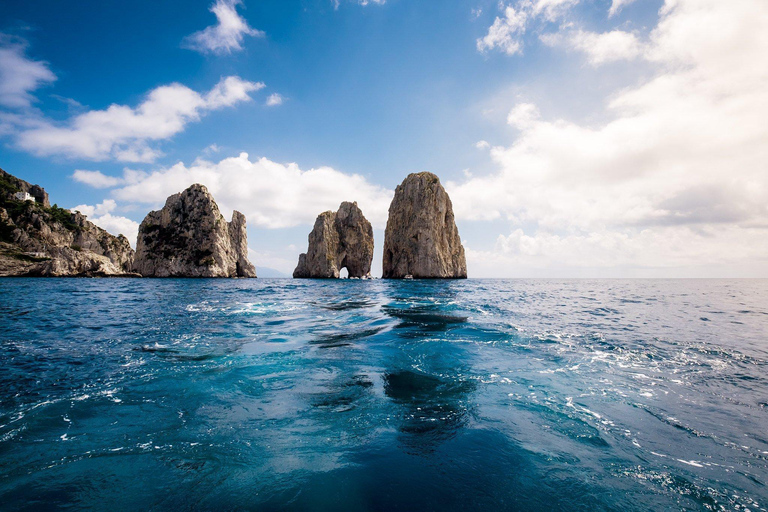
(24, 196)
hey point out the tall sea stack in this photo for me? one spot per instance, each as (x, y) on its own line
(189, 237)
(339, 239)
(422, 239)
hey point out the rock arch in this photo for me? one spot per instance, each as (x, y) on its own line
(339, 239)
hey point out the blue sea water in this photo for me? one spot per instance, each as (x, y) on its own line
(278, 394)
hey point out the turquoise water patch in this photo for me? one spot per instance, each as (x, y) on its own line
(383, 395)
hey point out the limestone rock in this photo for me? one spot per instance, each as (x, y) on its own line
(421, 238)
(11, 185)
(69, 262)
(339, 239)
(40, 240)
(239, 236)
(189, 237)
(320, 259)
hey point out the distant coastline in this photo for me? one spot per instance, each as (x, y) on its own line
(189, 237)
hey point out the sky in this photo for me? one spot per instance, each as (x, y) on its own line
(576, 138)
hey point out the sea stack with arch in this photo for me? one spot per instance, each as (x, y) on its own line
(339, 239)
(421, 239)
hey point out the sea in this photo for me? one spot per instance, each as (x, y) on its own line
(349, 395)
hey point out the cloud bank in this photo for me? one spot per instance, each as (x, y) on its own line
(270, 194)
(676, 177)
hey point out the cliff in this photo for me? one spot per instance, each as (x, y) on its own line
(339, 239)
(421, 238)
(37, 239)
(11, 185)
(189, 237)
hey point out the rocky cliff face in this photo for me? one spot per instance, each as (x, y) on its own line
(189, 237)
(10, 185)
(339, 239)
(41, 240)
(421, 238)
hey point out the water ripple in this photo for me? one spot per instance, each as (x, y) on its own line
(370, 395)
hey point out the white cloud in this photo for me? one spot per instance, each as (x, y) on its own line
(213, 148)
(336, 3)
(482, 144)
(270, 194)
(96, 179)
(662, 252)
(274, 100)
(523, 115)
(505, 33)
(101, 215)
(20, 75)
(551, 9)
(617, 5)
(105, 207)
(229, 91)
(600, 48)
(123, 133)
(228, 33)
(676, 176)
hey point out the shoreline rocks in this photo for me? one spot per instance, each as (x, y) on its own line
(421, 238)
(189, 237)
(338, 239)
(40, 240)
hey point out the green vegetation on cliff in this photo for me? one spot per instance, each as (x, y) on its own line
(6, 188)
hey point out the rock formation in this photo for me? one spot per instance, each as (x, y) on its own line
(339, 239)
(37, 239)
(11, 185)
(421, 239)
(189, 237)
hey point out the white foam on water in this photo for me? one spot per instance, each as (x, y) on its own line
(202, 307)
(569, 403)
(263, 308)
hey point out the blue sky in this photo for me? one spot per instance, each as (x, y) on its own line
(576, 137)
